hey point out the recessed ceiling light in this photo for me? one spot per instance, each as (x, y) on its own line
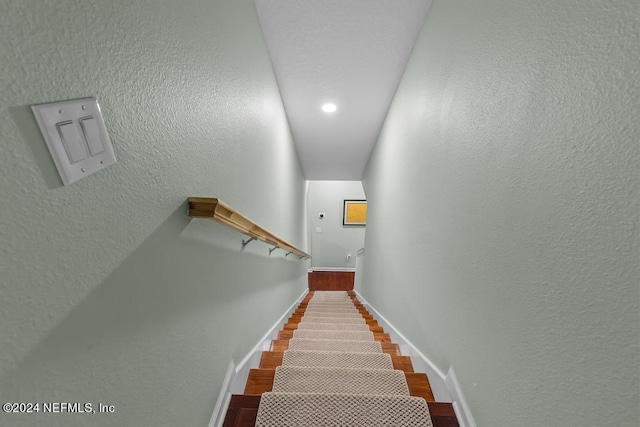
(329, 108)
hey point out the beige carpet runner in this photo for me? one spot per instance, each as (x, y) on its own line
(335, 345)
(330, 304)
(336, 319)
(337, 359)
(296, 379)
(341, 313)
(333, 327)
(341, 410)
(334, 335)
(335, 312)
(335, 374)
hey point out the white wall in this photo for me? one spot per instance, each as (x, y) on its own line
(335, 242)
(503, 208)
(108, 291)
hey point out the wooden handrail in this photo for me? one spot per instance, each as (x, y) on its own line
(215, 209)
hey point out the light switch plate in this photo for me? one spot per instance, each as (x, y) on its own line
(77, 138)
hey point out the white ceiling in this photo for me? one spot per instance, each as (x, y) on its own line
(350, 52)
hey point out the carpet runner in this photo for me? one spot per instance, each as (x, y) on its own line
(334, 373)
(303, 326)
(335, 345)
(308, 318)
(298, 379)
(334, 335)
(340, 410)
(337, 359)
(334, 313)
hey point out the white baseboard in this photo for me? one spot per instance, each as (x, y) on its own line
(463, 413)
(445, 387)
(217, 418)
(419, 361)
(236, 376)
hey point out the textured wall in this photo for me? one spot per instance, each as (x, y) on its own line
(108, 291)
(503, 208)
(330, 248)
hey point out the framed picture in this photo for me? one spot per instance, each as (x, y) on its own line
(354, 212)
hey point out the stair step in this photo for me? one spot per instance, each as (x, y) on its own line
(337, 359)
(353, 320)
(331, 335)
(300, 311)
(261, 381)
(310, 300)
(323, 313)
(321, 293)
(243, 410)
(297, 379)
(273, 359)
(307, 301)
(342, 309)
(311, 326)
(335, 345)
(367, 319)
(330, 299)
(292, 323)
(335, 335)
(325, 302)
(311, 410)
(328, 345)
(419, 385)
(373, 328)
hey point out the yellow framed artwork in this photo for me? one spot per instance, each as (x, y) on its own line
(355, 212)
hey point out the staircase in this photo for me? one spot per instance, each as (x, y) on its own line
(333, 365)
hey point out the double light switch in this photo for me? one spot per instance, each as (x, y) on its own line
(76, 136)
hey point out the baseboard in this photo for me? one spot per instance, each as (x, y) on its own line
(463, 413)
(217, 418)
(236, 376)
(420, 362)
(445, 387)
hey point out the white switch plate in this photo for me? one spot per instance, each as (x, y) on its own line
(77, 138)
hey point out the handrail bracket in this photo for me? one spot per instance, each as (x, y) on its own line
(246, 242)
